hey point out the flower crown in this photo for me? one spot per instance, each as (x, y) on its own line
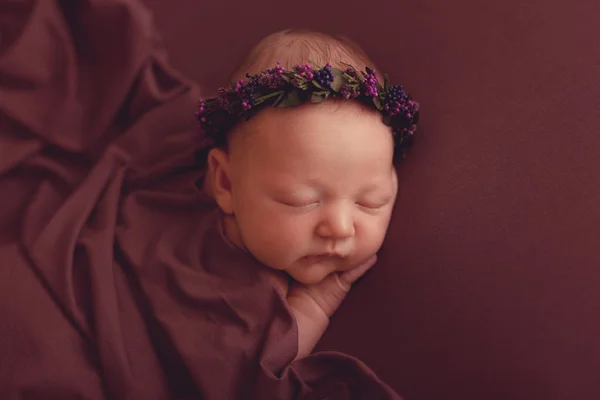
(277, 87)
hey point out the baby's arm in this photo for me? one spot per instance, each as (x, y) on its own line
(313, 305)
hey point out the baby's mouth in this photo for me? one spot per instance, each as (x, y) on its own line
(322, 258)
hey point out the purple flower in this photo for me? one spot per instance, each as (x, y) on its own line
(351, 72)
(396, 94)
(201, 107)
(245, 91)
(398, 102)
(224, 102)
(414, 106)
(277, 70)
(270, 80)
(324, 76)
(370, 84)
(239, 86)
(349, 92)
(304, 71)
(295, 82)
(222, 99)
(202, 112)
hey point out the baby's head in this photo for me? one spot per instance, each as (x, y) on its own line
(307, 189)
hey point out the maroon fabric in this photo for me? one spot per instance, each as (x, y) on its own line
(488, 286)
(115, 280)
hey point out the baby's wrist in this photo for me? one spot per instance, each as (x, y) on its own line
(310, 330)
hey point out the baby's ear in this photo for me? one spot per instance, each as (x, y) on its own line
(219, 175)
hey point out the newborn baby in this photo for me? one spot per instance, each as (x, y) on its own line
(307, 187)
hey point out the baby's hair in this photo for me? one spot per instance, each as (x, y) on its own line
(285, 67)
(300, 46)
(291, 47)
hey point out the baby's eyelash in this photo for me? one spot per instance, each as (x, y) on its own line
(372, 206)
(313, 203)
(299, 204)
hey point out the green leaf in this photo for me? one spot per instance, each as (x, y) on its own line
(262, 99)
(386, 82)
(291, 99)
(276, 102)
(316, 98)
(338, 80)
(350, 79)
(317, 85)
(377, 103)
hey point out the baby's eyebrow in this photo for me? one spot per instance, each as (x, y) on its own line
(297, 189)
(373, 186)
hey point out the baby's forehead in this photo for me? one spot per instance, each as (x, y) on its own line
(310, 124)
(309, 139)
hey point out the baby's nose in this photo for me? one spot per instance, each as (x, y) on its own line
(337, 224)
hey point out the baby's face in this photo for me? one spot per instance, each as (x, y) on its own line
(313, 187)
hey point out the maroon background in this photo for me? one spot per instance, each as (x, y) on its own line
(488, 285)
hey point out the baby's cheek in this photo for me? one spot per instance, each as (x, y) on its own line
(374, 235)
(292, 234)
(280, 234)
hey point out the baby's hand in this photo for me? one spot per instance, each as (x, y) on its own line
(313, 305)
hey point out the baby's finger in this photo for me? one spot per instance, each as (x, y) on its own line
(349, 277)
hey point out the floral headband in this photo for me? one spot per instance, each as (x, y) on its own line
(277, 87)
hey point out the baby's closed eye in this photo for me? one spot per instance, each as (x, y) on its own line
(374, 201)
(299, 203)
(372, 205)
